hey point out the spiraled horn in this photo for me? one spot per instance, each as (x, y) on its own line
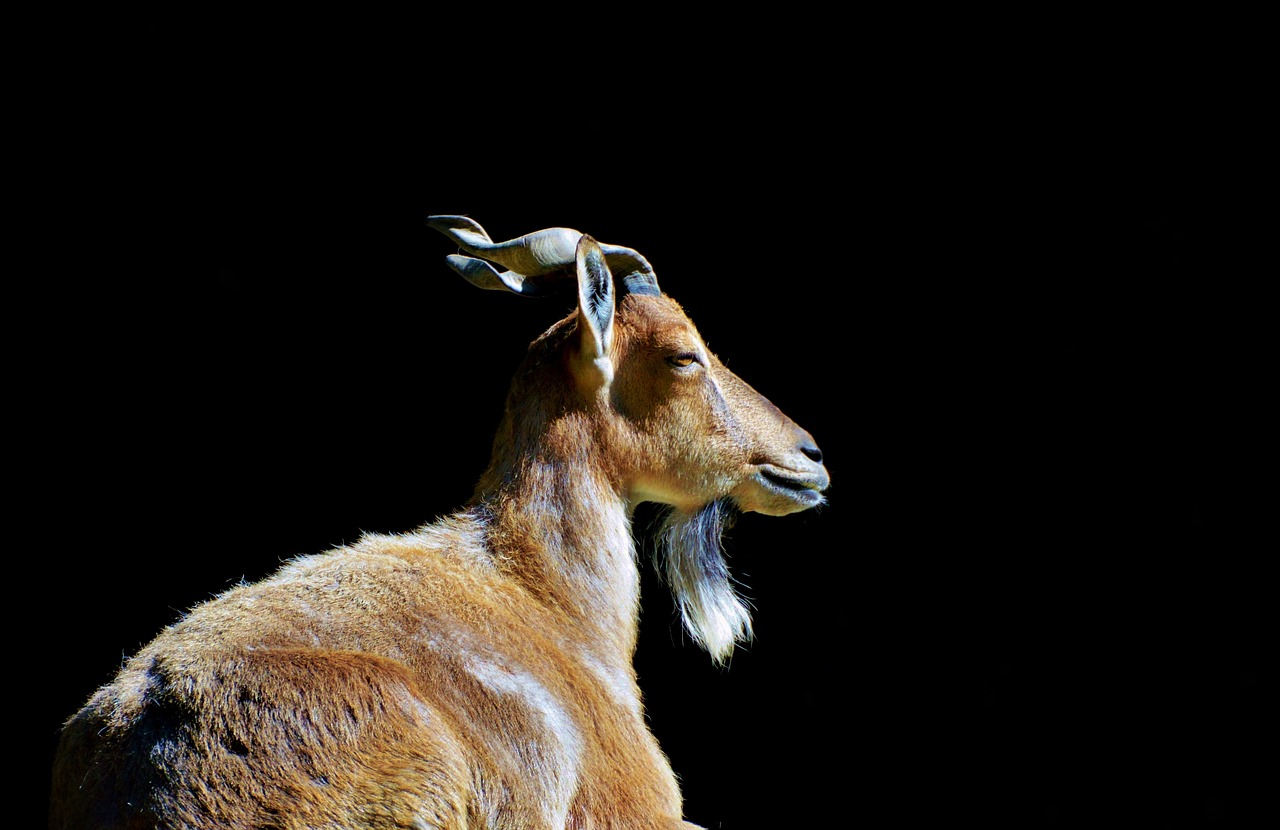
(538, 263)
(532, 254)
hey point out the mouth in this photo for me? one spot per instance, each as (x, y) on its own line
(805, 490)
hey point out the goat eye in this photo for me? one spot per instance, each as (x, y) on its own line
(683, 360)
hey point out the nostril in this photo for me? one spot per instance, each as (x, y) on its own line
(812, 453)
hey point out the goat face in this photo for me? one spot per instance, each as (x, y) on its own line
(702, 433)
(682, 429)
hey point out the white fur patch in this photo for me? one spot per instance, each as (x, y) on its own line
(556, 760)
(553, 760)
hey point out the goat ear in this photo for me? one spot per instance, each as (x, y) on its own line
(595, 302)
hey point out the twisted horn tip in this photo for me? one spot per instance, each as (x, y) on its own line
(445, 223)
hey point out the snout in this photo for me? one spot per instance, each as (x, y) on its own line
(795, 484)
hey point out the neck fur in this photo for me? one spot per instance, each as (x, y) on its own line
(560, 525)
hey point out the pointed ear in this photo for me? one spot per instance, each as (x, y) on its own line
(595, 299)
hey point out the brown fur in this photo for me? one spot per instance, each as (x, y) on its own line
(476, 672)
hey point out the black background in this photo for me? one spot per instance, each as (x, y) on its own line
(1012, 313)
